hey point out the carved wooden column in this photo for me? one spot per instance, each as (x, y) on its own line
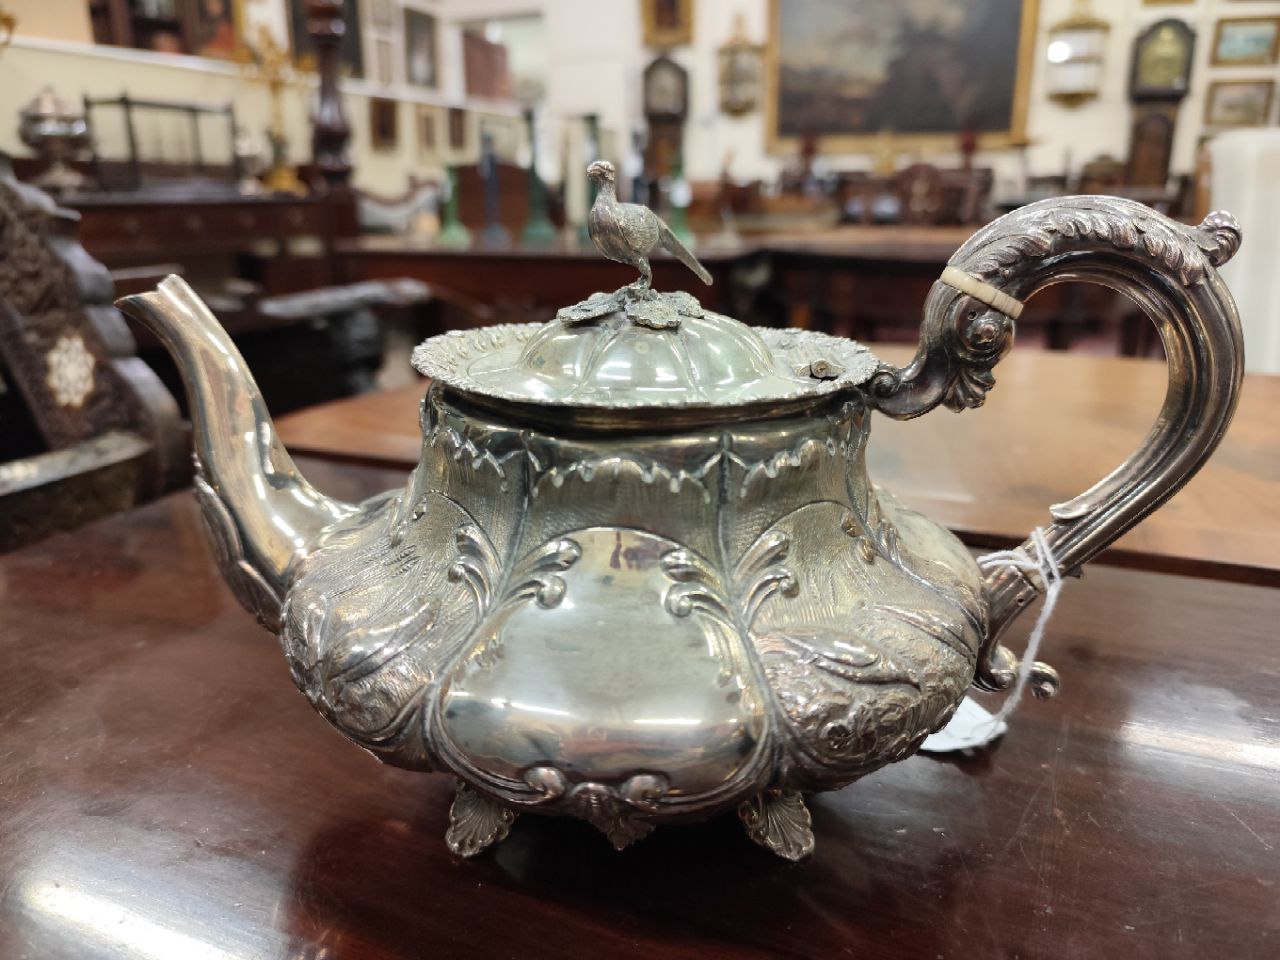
(330, 130)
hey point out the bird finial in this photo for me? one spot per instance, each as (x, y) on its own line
(629, 232)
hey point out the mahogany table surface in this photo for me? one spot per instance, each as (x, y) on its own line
(1054, 424)
(165, 792)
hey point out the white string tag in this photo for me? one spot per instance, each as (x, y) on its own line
(972, 726)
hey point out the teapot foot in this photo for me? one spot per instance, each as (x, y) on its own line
(476, 822)
(779, 821)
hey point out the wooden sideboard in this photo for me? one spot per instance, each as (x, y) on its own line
(292, 238)
(860, 281)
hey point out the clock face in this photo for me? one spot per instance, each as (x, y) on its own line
(665, 89)
(1162, 60)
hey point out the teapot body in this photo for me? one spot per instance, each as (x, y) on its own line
(640, 573)
(634, 628)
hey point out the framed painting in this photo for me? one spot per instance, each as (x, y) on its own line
(1238, 103)
(350, 56)
(384, 119)
(1246, 41)
(420, 56)
(427, 137)
(667, 23)
(216, 28)
(918, 74)
(384, 55)
(457, 129)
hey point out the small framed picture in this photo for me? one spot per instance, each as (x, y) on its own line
(1246, 41)
(427, 136)
(667, 23)
(1238, 103)
(216, 34)
(383, 123)
(420, 54)
(383, 51)
(457, 129)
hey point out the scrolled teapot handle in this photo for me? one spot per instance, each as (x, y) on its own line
(1167, 269)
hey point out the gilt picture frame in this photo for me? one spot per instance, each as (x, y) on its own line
(1238, 103)
(818, 52)
(667, 23)
(1246, 41)
(384, 121)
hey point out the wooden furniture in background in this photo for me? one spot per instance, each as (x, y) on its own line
(865, 282)
(485, 68)
(168, 792)
(398, 215)
(134, 172)
(331, 34)
(665, 102)
(921, 194)
(1055, 423)
(519, 284)
(88, 428)
(250, 237)
(1150, 144)
(513, 198)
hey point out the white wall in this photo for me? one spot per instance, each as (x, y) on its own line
(593, 59)
(1245, 180)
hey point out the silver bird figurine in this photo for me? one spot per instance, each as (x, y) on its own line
(629, 232)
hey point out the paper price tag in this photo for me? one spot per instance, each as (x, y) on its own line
(971, 727)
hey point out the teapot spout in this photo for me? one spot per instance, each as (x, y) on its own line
(263, 516)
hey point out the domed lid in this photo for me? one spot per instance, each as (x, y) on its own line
(636, 349)
(623, 351)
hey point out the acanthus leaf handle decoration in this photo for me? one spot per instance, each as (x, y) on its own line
(1168, 270)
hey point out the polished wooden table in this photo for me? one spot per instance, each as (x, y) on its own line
(1054, 424)
(166, 794)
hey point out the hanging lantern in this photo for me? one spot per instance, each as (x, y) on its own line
(1075, 54)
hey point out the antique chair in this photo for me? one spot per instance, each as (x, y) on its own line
(88, 428)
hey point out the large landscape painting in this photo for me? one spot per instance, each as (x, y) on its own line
(846, 72)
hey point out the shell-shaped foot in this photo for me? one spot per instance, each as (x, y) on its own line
(623, 831)
(476, 822)
(779, 821)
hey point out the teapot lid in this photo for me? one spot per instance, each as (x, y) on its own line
(624, 351)
(636, 349)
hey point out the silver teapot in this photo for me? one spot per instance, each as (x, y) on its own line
(641, 575)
